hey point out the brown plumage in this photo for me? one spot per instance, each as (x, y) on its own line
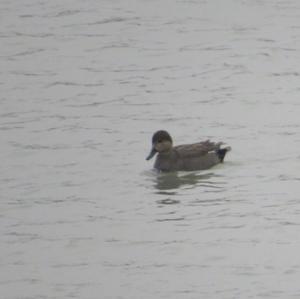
(197, 156)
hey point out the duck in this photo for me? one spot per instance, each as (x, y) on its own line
(187, 157)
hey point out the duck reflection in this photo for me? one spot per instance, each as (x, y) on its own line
(167, 183)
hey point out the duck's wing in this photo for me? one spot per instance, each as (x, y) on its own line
(197, 149)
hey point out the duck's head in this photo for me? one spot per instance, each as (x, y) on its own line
(161, 142)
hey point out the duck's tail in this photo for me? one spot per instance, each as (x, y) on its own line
(222, 153)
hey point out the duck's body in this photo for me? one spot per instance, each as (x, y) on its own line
(197, 156)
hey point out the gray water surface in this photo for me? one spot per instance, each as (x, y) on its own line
(84, 84)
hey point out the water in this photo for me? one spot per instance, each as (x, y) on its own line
(83, 87)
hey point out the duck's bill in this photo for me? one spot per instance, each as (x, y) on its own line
(152, 153)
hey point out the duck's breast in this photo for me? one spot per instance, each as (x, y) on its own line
(168, 161)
